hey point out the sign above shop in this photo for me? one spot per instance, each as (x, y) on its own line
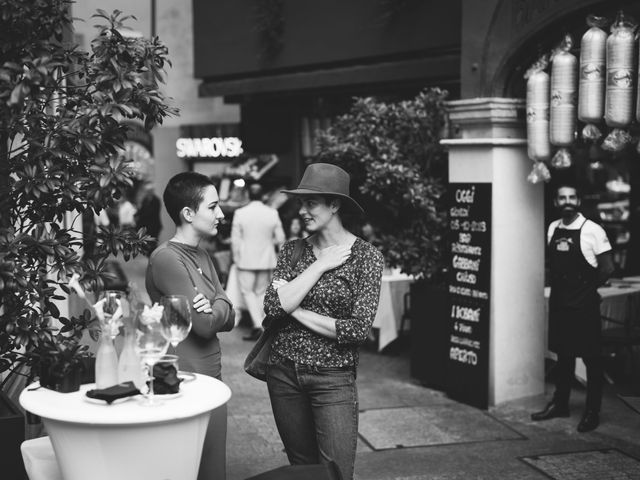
(209, 147)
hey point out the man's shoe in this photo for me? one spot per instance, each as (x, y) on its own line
(552, 410)
(254, 335)
(590, 421)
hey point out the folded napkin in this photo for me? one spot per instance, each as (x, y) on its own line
(121, 390)
(165, 379)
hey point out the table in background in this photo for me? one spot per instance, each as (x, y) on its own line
(391, 306)
(621, 297)
(128, 440)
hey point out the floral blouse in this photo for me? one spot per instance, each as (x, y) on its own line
(348, 293)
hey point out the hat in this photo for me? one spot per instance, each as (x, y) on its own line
(325, 179)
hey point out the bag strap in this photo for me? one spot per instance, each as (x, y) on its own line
(297, 252)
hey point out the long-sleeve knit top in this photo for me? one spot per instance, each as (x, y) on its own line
(349, 294)
(178, 269)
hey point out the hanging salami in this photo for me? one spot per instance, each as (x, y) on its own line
(591, 86)
(620, 52)
(562, 112)
(538, 146)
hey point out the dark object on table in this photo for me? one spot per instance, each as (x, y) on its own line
(121, 390)
(323, 471)
(166, 379)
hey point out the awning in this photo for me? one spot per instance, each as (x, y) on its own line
(441, 70)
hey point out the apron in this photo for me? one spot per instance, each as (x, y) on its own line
(574, 304)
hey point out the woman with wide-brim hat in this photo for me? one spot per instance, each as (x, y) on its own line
(326, 304)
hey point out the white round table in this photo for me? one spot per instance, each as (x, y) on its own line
(128, 440)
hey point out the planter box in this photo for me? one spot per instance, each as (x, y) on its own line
(429, 321)
(11, 437)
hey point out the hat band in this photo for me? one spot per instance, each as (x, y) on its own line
(318, 189)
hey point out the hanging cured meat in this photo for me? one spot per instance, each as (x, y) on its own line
(618, 108)
(538, 146)
(591, 85)
(562, 113)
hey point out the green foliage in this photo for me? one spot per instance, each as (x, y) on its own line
(398, 170)
(61, 134)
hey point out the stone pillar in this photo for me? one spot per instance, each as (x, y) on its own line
(489, 146)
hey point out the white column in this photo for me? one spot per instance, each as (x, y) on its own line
(490, 146)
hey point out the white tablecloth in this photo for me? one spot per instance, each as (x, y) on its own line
(128, 440)
(620, 298)
(391, 307)
(617, 298)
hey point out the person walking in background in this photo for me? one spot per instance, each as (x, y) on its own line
(580, 261)
(148, 213)
(127, 210)
(324, 306)
(256, 232)
(180, 267)
(296, 229)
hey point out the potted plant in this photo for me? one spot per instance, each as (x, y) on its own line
(60, 360)
(399, 174)
(62, 132)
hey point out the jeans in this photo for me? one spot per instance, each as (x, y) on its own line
(316, 412)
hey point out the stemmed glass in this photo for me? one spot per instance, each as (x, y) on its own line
(176, 318)
(151, 344)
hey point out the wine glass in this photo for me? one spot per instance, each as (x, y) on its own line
(176, 318)
(151, 345)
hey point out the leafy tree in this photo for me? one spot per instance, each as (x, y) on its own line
(62, 134)
(399, 173)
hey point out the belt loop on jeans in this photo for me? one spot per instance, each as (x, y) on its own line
(286, 362)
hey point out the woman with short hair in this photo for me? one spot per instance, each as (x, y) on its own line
(180, 267)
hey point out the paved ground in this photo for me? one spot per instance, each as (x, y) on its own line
(408, 432)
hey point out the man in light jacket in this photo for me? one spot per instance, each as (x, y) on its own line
(256, 232)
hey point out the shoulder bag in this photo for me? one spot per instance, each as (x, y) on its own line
(256, 362)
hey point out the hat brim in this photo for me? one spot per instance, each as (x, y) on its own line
(307, 191)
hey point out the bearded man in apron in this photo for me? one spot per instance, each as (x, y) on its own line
(580, 261)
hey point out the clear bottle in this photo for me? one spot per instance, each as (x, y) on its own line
(129, 365)
(106, 362)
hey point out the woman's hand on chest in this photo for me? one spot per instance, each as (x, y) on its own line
(332, 257)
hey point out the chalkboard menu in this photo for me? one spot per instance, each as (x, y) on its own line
(469, 283)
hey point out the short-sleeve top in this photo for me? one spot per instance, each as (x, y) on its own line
(348, 293)
(593, 238)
